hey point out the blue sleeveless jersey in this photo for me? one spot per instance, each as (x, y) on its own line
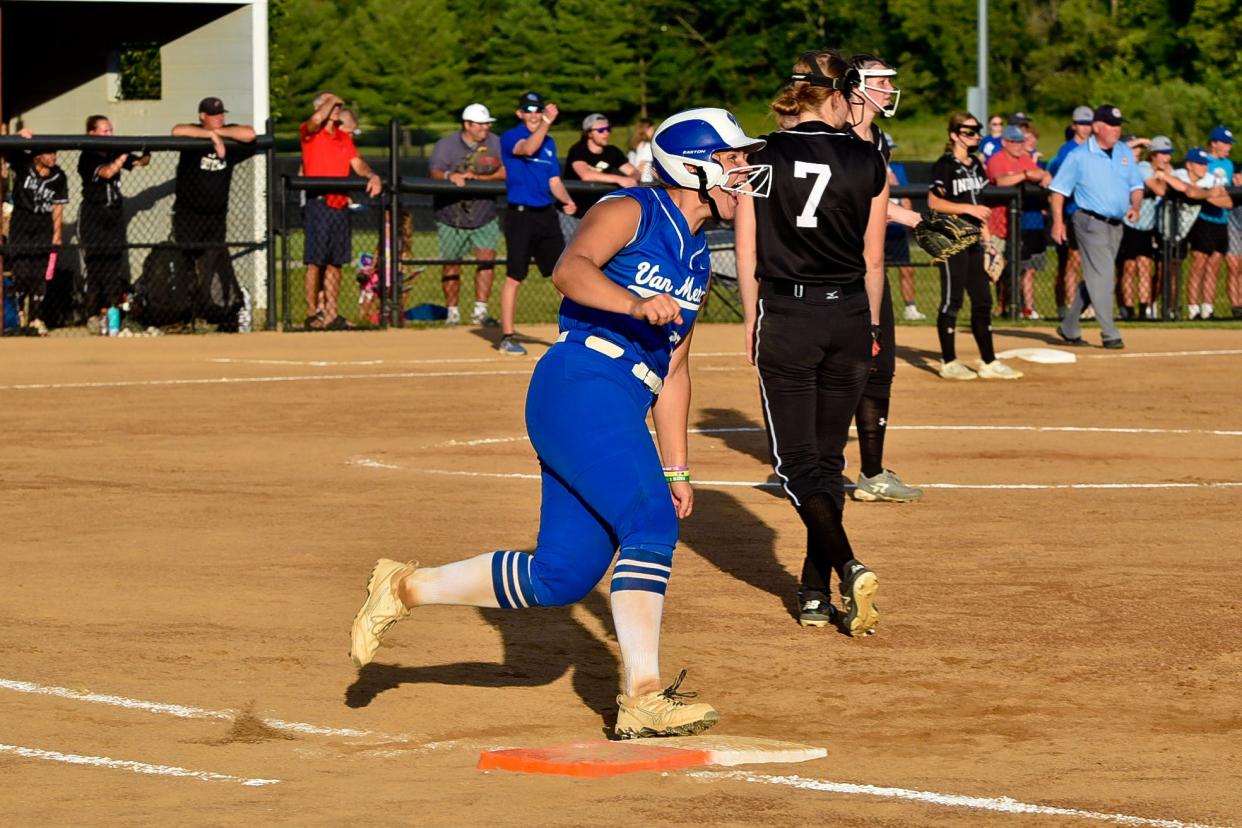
(663, 257)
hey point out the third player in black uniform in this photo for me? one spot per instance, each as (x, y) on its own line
(811, 273)
(957, 180)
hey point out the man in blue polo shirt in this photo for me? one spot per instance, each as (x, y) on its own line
(1209, 236)
(533, 181)
(1103, 177)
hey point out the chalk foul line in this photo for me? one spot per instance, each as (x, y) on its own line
(367, 462)
(1000, 804)
(183, 711)
(134, 767)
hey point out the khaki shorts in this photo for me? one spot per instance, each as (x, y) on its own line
(461, 242)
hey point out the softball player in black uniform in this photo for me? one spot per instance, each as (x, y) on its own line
(811, 274)
(876, 94)
(957, 179)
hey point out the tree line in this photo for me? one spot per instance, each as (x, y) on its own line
(1172, 66)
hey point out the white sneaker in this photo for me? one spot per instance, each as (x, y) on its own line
(1030, 313)
(1089, 313)
(955, 370)
(912, 314)
(1206, 311)
(1192, 311)
(998, 370)
(454, 316)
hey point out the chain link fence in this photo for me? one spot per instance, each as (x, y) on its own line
(157, 235)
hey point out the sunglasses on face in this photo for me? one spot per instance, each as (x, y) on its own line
(968, 131)
(602, 129)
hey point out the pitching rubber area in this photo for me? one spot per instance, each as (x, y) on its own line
(186, 523)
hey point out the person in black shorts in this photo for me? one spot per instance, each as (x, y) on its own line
(876, 94)
(40, 193)
(811, 276)
(957, 180)
(101, 224)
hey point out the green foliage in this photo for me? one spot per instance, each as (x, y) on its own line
(1170, 65)
(140, 72)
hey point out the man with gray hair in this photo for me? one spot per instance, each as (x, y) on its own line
(1103, 177)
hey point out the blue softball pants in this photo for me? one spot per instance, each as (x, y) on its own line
(603, 485)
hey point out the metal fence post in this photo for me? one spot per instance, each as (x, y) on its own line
(270, 322)
(1015, 254)
(396, 304)
(284, 249)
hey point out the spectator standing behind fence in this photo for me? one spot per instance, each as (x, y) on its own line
(1014, 166)
(101, 223)
(328, 151)
(992, 142)
(897, 239)
(594, 159)
(1209, 237)
(467, 224)
(1069, 264)
(1138, 237)
(40, 193)
(957, 180)
(1103, 177)
(203, 179)
(640, 150)
(533, 181)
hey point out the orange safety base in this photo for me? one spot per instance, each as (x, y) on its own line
(593, 759)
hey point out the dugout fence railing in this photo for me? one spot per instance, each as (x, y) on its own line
(72, 297)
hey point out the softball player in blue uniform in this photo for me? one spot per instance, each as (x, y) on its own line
(633, 279)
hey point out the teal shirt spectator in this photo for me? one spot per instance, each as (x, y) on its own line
(527, 176)
(1099, 181)
(1222, 170)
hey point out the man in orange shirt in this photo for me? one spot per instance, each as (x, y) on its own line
(1013, 167)
(328, 151)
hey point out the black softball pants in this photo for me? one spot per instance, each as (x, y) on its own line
(964, 274)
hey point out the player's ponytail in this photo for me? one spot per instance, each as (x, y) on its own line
(800, 96)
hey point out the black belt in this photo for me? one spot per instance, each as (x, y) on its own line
(810, 291)
(526, 208)
(1110, 221)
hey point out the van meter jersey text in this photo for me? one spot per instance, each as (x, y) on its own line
(811, 227)
(663, 257)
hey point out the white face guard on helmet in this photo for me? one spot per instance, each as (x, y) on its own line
(693, 137)
(865, 88)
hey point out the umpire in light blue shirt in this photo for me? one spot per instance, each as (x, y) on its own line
(1102, 176)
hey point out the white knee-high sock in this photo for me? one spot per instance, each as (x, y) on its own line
(465, 583)
(636, 614)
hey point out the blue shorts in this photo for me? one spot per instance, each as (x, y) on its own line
(603, 483)
(327, 240)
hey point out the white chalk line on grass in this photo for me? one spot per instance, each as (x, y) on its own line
(1213, 432)
(999, 804)
(746, 484)
(181, 711)
(135, 767)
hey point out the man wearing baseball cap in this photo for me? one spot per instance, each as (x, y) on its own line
(1014, 167)
(1103, 177)
(594, 158)
(533, 181)
(1069, 264)
(201, 206)
(1209, 236)
(466, 224)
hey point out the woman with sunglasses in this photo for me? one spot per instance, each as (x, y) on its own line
(810, 266)
(958, 178)
(593, 158)
(989, 145)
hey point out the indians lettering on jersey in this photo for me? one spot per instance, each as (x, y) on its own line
(967, 181)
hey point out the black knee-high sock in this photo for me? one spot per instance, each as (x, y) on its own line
(827, 546)
(871, 418)
(981, 327)
(945, 327)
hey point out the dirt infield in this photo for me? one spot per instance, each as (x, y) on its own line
(189, 522)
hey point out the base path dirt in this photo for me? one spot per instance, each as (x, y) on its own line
(187, 525)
